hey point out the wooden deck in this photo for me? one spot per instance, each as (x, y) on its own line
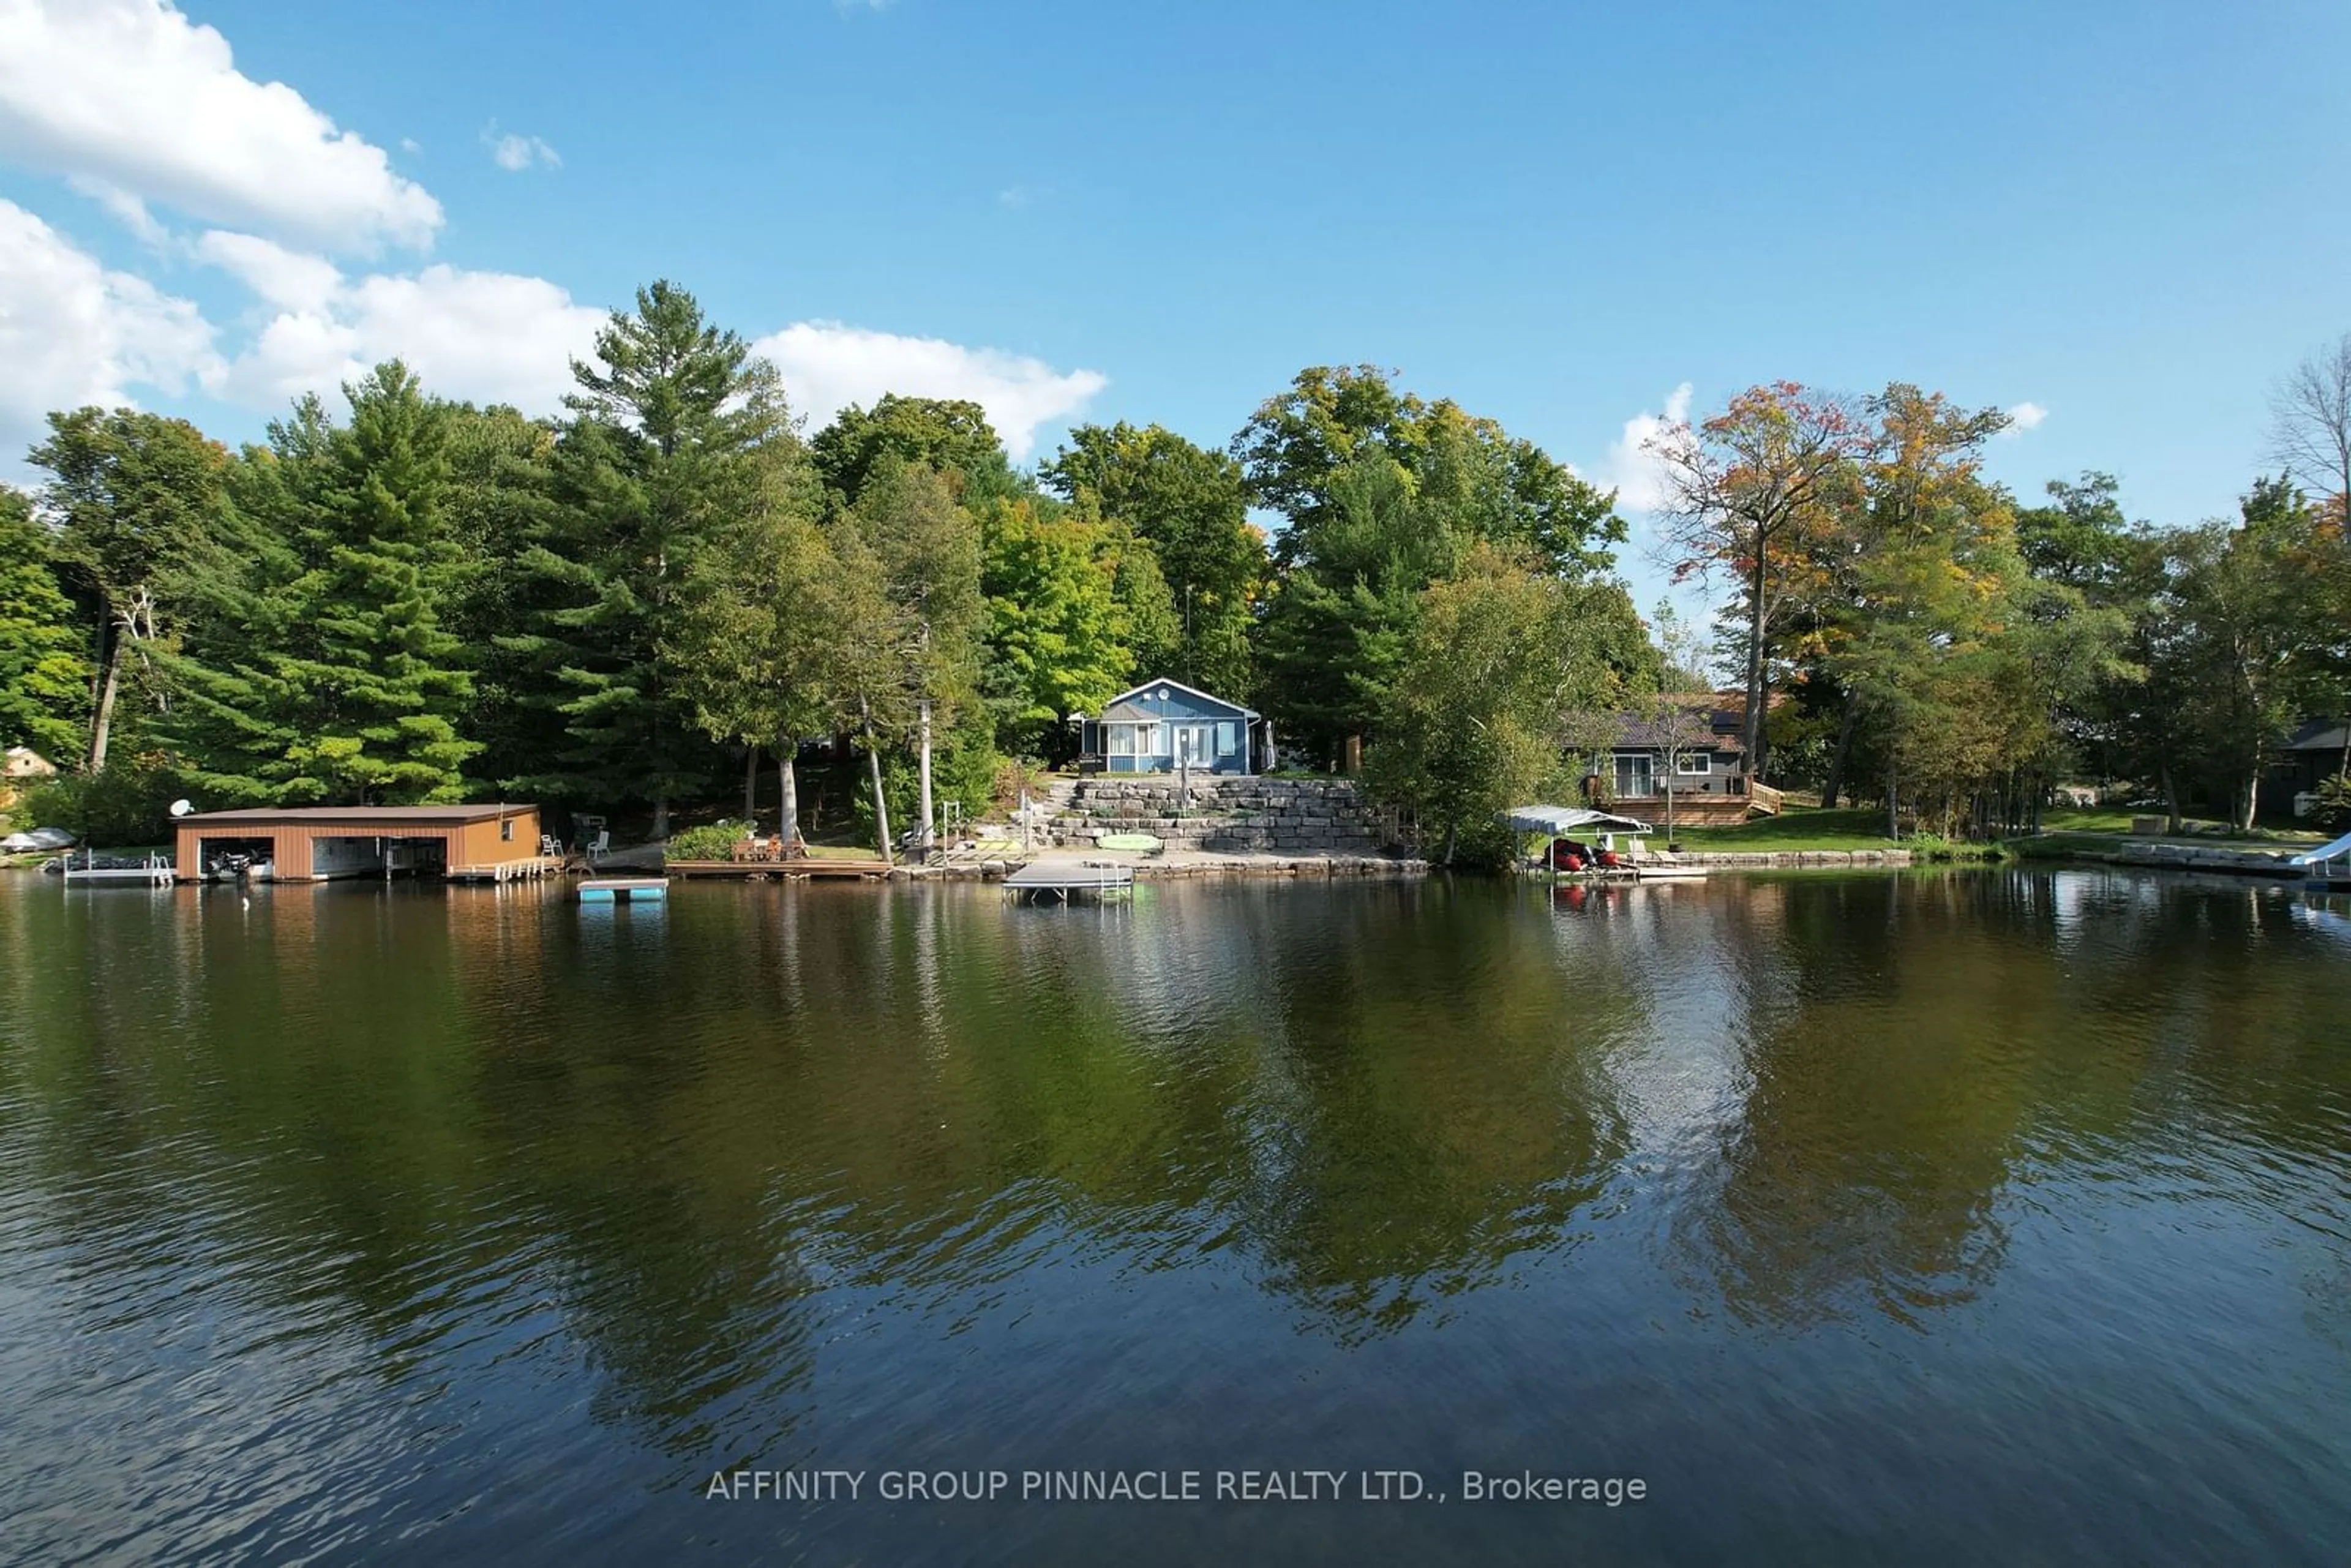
(804, 865)
(1051, 882)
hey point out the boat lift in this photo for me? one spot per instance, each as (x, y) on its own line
(1559, 821)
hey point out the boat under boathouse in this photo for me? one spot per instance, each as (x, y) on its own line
(317, 844)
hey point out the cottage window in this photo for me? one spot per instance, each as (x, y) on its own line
(506, 830)
(1694, 762)
(1228, 739)
(1146, 739)
(1122, 739)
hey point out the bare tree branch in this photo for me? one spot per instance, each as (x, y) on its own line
(2310, 420)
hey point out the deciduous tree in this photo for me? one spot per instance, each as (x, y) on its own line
(1739, 486)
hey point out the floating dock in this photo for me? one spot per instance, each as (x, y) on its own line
(1049, 882)
(624, 890)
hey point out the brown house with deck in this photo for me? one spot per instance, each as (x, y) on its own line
(1700, 756)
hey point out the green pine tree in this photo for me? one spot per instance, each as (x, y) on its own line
(662, 450)
(44, 674)
(322, 672)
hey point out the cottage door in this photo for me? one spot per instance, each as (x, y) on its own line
(1196, 745)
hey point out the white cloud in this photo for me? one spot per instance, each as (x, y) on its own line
(134, 103)
(410, 144)
(490, 336)
(292, 279)
(2023, 416)
(1017, 196)
(515, 152)
(71, 333)
(827, 366)
(1634, 472)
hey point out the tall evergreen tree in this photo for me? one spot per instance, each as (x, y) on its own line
(138, 495)
(498, 469)
(44, 672)
(662, 450)
(322, 672)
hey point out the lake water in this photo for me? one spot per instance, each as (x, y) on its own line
(1995, 1217)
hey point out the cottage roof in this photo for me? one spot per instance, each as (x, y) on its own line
(24, 762)
(2318, 735)
(1153, 685)
(1640, 729)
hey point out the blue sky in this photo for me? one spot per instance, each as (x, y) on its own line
(2132, 218)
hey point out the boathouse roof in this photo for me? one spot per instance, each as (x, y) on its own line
(294, 815)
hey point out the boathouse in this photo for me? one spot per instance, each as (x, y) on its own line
(1162, 725)
(315, 843)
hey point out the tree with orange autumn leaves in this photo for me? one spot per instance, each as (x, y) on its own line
(1742, 489)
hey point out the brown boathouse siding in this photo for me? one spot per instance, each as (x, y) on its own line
(471, 835)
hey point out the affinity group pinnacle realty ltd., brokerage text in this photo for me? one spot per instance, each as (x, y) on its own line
(1165, 1486)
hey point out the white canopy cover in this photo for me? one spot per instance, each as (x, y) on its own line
(1558, 820)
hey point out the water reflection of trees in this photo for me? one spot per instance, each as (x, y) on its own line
(686, 1137)
(1920, 1053)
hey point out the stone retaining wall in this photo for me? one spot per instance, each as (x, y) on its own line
(2196, 857)
(1256, 816)
(1760, 858)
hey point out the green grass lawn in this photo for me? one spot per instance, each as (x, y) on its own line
(1797, 827)
(843, 852)
(1803, 828)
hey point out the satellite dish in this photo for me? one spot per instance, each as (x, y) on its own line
(180, 808)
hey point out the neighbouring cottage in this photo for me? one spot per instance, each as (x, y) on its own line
(1698, 751)
(2310, 757)
(21, 765)
(1162, 725)
(24, 762)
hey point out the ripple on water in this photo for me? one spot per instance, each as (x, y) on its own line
(1988, 1217)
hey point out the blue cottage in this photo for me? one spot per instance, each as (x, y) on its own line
(1162, 723)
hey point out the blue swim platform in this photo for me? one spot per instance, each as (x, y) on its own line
(624, 890)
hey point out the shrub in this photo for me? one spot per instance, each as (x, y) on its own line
(2334, 813)
(712, 841)
(126, 803)
(1013, 776)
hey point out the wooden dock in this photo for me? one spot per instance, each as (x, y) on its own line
(624, 890)
(1050, 882)
(799, 866)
